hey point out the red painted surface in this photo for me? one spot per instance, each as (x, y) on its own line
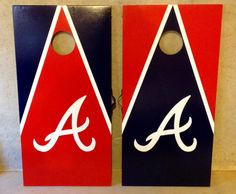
(64, 80)
(141, 24)
(203, 27)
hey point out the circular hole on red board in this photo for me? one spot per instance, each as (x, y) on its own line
(63, 43)
(171, 42)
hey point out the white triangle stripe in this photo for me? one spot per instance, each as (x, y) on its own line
(42, 60)
(39, 69)
(194, 67)
(87, 67)
(146, 66)
(147, 63)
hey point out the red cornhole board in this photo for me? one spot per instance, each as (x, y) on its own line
(169, 99)
(64, 100)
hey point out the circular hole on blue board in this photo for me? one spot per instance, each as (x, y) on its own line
(63, 43)
(171, 42)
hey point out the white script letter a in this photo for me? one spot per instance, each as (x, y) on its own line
(73, 111)
(153, 138)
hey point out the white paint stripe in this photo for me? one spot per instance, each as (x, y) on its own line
(146, 66)
(39, 69)
(194, 67)
(87, 67)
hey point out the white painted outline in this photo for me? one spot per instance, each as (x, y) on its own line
(146, 66)
(149, 58)
(194, 67)
(40, 67)
(87, 67)
(41, 63)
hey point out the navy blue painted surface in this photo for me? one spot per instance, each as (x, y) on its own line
(168, 80)
(93, 25)
(31, 27)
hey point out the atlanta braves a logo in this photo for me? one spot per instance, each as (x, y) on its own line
(73, 111)
(176, 111)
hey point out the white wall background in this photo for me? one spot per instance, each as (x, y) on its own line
(224, 157)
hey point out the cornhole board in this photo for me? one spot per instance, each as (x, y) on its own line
(169, 99)
(64, 100)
